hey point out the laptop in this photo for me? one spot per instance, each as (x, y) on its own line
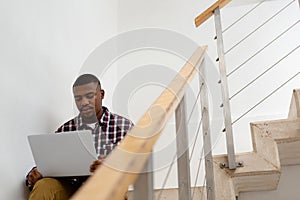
(63, 154)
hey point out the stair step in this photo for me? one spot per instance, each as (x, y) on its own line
(294, 111)
(289, 153)
(198, 193)
(286, 133)
(256, 174)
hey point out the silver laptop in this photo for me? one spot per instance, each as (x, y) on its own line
(63, 154)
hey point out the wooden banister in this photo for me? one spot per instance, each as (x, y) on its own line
(121, 167)
(209, 12)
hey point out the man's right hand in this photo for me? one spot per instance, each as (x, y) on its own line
(34, 176)
(97, 163)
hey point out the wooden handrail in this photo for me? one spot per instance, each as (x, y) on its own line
(121, 167)
(209, 12)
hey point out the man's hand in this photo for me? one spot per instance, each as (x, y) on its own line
(96, 163)
(34, 176)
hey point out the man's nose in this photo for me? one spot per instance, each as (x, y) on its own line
(84, 101)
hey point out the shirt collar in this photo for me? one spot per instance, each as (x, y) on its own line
(105, 117)
(102, 121)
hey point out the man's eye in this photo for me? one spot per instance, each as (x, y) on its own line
(78, 98)
(90, 96)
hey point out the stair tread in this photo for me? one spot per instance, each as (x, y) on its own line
(253, 165)
(172, 193)
(282, 130)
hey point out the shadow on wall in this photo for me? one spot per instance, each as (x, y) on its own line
(25, 191)
(47, 125)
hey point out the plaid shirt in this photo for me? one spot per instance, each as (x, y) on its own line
(107, 134)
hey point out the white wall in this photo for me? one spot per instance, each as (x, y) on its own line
(288, 187)
(43, 45)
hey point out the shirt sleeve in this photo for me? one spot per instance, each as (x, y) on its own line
(68, 126)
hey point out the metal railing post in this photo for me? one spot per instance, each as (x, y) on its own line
(209, 171)
(183, 163)
(225, 93)
(143, 187)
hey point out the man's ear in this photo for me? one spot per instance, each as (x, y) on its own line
(102, 92)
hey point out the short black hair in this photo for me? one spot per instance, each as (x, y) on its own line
(85, 79)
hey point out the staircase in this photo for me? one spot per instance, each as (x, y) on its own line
(276, 143)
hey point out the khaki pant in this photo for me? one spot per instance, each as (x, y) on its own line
(52, 189)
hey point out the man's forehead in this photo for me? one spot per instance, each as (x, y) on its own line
(89, 87)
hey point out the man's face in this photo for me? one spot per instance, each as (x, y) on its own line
(88, 99)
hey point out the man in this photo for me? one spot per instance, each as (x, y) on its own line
(108, 130)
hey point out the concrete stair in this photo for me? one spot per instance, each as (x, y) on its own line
(172, 194)
(276, 143)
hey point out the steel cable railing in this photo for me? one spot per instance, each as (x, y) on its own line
(256, 53)
(198, 171)
(169, 172)
(252, 32)
(173, 160)
(261, 101)
(251, 82)
(197, 134)
(194, 105)
(242, 17)
(166, 177)
(191, 154)
(215, 10)
(271, 42)
(198, 128)
(195, 182)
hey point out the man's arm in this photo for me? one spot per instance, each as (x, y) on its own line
(96, 164)
(32, 177)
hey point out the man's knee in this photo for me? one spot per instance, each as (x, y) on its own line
(50, 189)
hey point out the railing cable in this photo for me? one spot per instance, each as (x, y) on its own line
(247, 85)
(195, 103)
(198, 170)
(167, 176)
(197, 133)
(259, 27)
(265, 98)
(198, 128)
(262, 48)
(239, 19)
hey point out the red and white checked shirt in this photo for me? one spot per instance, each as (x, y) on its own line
(108, 132)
